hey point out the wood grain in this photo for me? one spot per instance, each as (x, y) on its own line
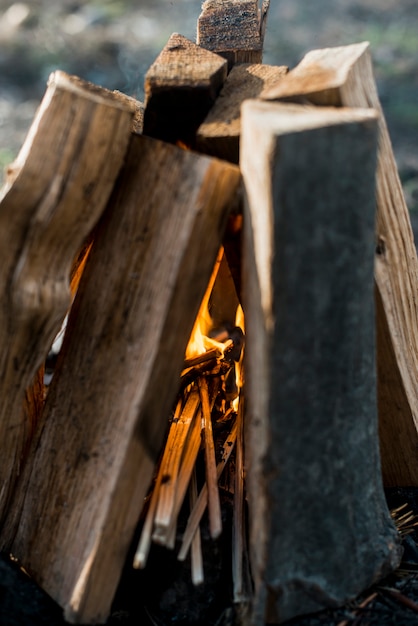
(180, 87)
(118, 374)
(54, 194)
(319, 526)
(219, 134)
(344, 76)
(234, 29)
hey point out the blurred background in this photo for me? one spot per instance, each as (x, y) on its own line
(113, 42)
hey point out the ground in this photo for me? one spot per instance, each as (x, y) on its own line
(112, 43)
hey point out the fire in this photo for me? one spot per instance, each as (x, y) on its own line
(199, 340)
(205, 425)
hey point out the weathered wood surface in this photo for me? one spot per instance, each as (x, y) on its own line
(219, 134)
(54, 193)
(108, 406)
(344, 76)
(234, 29)
(319, 526)
(180, 88)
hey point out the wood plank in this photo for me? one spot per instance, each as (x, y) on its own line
(234, 29)
(344, 76)
(117, 377)
(54, 194)
(219, 134)
(180, 87)
(319, 526)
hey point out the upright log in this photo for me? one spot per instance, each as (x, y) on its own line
(319, 526)
(79, 500)
(343, 76)
(180, 88)
(219, 134)
(234, 29)
(54, 194)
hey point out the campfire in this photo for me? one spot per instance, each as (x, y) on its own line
(237, 191)
(209, 400)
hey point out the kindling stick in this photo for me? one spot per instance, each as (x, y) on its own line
(202, 500)
(215, 518)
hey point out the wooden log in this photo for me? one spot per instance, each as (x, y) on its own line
(234, 29)
(180, 87)
(319, 526)
(219, 134)
(107, 410)
(54, 194)
(344, 76)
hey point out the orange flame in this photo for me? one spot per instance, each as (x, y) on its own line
(199, 341)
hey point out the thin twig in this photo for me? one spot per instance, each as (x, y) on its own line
(187, 465)
(214, 503)
(196, 551)
(400, 597)
(144, 544)
(358, 608)
(170, 467)
(238, 542)
(212, 353)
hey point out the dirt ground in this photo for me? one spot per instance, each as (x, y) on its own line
(112, 43)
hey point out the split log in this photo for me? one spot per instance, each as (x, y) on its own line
(180, 88)
(344, 76)
(54, 194)
(118, 373)
(234, 29)
(319, 526)
(219, 134)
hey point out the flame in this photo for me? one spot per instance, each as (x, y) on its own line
(199, 341)
(239, 367)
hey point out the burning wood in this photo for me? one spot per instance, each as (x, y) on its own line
(205, 400)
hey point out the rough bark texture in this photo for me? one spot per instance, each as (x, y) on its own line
(234, 29)
(220, 132)
(107, 410)
(180, 88)
(320, 529)
(344, 76)
(54, 194)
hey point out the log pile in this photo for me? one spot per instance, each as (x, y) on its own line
(234, 184)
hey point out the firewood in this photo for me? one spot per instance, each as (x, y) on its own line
(202, 500)
(196, 550)
(188, 463)
(80, 496)
(54, 194)
(219, 134)
(170, 467)
(214, 504)
(180, 88)
(240, 575)
(234, 29)
(319, 526)
(344, 76)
